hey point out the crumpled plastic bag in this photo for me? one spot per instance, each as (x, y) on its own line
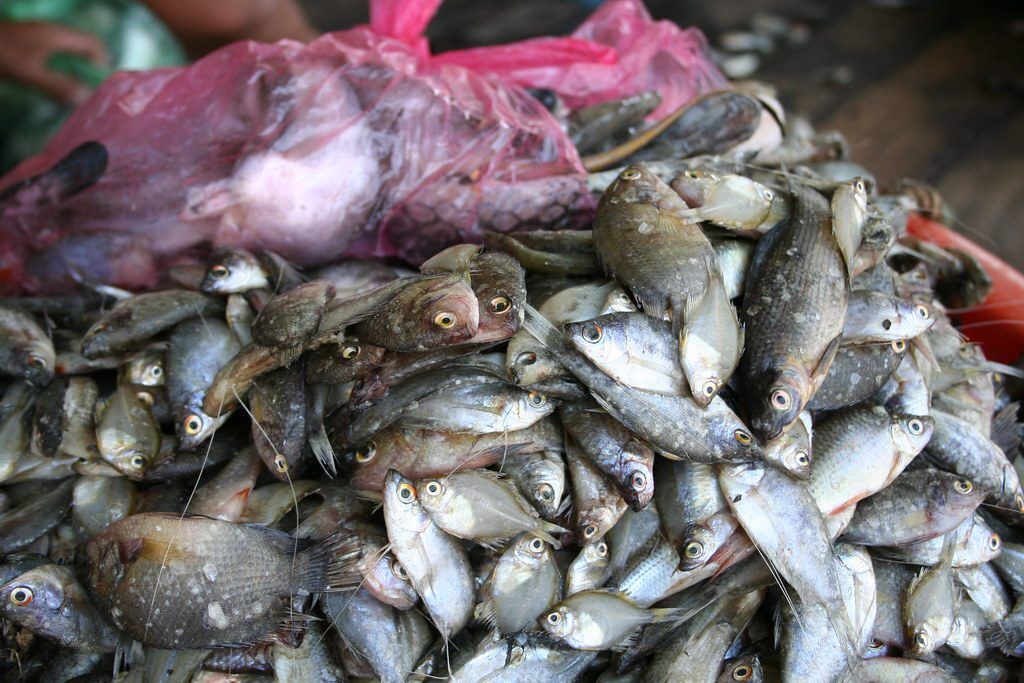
(359, 144)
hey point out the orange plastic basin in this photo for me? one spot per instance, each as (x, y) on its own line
(998, 324)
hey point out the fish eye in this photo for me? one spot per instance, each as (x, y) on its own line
(965, 351)
(994, 542)
(350, 352)
(500, 304)
(769, 195)
(219, 271)
(444, 320)
(899, 346)
(602, 549)
(137, 461)
(920, 640)
(281, 463)
(193, 425)
(592, 332)
(554, 618)
(963, 486)
(156, 371)
(366, 453)
(589, 531)
(433, 488)
(859, 186)
(630, 174)
(1019, 500)
(516, 656)
(21, 596)
(406, 493)
(638, 480)
(743, 437)
(146, 398)
(536, 545)
(35, 361)
(536, 399)
(526, 358)
(802, 458)
(694, 549)
(399, 570)
(692, 175)
(915, 427)
(546, 492)
(922, 311)
(709, 388)
(742, 673)
(781, 399)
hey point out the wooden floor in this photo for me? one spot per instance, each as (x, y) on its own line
(935, 90)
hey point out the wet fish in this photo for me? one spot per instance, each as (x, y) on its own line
(616, 452)
(917, 506)
(640, 237)
(523, 658)
(49, 600)
(26, 350)
(435, 562)
(597, 620)
(196, 350)
(522, 585)
(875, 318)
(589, 570)
(127, 435)
(143, 316)
(479, 506)
(99, 501)
(793, 313)
(791, 452)
(929, 608)
(731, 201)
(597, 503)
(219, 583)
(278, 406)
(15, 426)
(856, 373)
(540, 478)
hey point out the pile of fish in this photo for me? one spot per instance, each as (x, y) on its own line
(730, 433)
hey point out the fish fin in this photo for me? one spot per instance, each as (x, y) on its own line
(456, 259)
(331, 565)
(627, 642)
(1005, 429)
(292, 627)
(484, 613)
(824, 363)
(667, 614)
(992, 366)
(127, 653)
(322, 449)
(545, 533)
(152, 550)
(999, 636)
(688, 216)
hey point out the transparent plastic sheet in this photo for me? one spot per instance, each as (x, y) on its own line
(358, 144)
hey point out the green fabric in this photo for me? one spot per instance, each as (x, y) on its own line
(134, 37)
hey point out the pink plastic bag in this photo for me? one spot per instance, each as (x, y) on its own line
(358, 144)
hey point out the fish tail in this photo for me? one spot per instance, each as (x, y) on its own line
(669, 614)
(77, 171)
(537, 325)
(1002, 636)
(330, 565)
(322, 449)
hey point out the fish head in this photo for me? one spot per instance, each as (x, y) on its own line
(349, 359)
(922, 638)
(742, 669)
(877, 237)
(602, 340)
(694, 185)
(911, 433)
(702, 366)
(435, 494)
(594, 523)
(36, 600)
(145, 369)
(401, 504)
(499, 283)
(701, 541)
(636, 184)
(733, 440)
(193, 426)
(231, 270)
(34, 362)
(105, 562)
(791, 451)
(559, 622)
(126, 459)
(531, 552)
(446, 313)
(738, 480)
(637, 473)
(388, 581)
(776, 398)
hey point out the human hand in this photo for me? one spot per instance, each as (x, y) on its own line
(25, 47)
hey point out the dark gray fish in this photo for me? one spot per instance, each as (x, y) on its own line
(856, 373)
(278, 406)
(138, 318)
(29, 521)
(793, 313)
